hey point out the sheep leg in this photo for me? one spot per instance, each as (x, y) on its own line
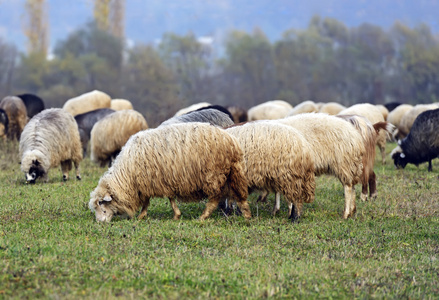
(372, 186)
(177, 212)
(430, 167)
(66, 166)
(296, 212)
(383, 153)
(364, 188)
(290, 208)
(211, 205)
(78, 173)
(263, 196)
(144, 210)
(348, 191)
(276, 207)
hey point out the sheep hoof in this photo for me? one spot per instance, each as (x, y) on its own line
(363, 197)
(78, 177)
(64, 178)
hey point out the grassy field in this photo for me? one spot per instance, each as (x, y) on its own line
(52, 247)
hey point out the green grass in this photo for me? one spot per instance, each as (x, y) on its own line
(52, 247)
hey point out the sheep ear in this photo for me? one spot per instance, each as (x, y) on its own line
(107, 198)
(402, 155)
(399, 142)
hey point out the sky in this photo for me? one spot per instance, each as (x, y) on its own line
(147, 20)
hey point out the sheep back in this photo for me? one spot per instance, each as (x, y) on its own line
(111, 132)
(191, 108)
(120, 104)
(410, 116)
(87, 102)
(267, 111)
(331, 108)
(212, 116)
(17, 115)
(304, 107)
(50, 138)
(188, 161)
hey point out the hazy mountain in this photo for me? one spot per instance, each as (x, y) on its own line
(147, 20)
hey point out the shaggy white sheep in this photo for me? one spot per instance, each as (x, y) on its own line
(187, 161)
(110, 133)
(337, 149)
(50, 139)
(374, 115)
(396, 115)
(87, 102)
(277, 159)
(120, 104)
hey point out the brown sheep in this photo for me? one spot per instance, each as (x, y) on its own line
(17, 116)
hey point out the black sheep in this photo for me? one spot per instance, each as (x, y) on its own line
(86, 121)
(33, 103)
(421, 144)
(392, 105)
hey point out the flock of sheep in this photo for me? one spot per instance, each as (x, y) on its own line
(222, 154)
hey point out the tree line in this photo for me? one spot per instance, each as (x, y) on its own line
(327, 61)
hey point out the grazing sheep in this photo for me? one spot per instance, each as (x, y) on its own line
(86, 122)
(409, 117)
(384, 111)
(331, 108)
(374, 115)
(392, 105)
(4, 123)
(369, 134)
(17, 115)
(33, 103)
(277, 159)
(87, 102)
(396, 115)
(304, 107)
(120, 104)
(207, 114)
(336, 149)
(239, 114)
(270, 110)
(188, 162)
(50, 139)
(281, 103)
(422, 142)
(191, 108)
(110, 133)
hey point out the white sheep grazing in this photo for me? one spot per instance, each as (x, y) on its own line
(337, 149)
(394, 117)
(50, 139)
(331, 108)
(187, 161)
(410, 116)
(270, 110)
(277, 159)
(303, 107)
(374, 115)
(120, 104)
(87, 102)
(110, 133)
(191, 108)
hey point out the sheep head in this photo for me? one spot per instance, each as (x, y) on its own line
(103, 204)
(399, 158)
(36, 170)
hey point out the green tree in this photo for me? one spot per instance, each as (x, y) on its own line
(150, 85)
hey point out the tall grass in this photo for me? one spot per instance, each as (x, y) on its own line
(52, 247)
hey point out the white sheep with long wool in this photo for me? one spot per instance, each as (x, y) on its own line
(270, 110)
(277, 159)
(87, 102)
(187, 161)
(50, 139)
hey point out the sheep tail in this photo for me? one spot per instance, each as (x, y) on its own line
(238, 182)
(384, 126)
